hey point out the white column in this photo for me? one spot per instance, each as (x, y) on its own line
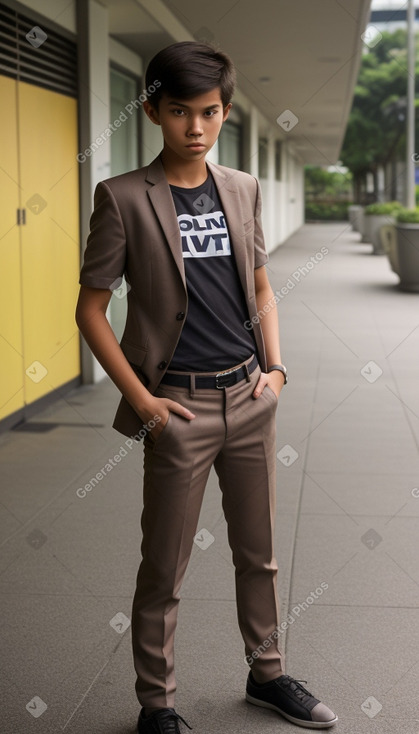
(270, 203)
(99, 90)
(254, 142)
(94, 103)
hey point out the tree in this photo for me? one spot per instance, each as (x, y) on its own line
(375, 134)
(321, 183)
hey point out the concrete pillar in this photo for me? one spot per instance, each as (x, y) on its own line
(254, 142)
(94, 118)
(270, 203)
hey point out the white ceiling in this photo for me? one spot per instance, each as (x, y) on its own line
(298, 55)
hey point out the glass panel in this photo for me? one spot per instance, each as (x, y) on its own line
(229, 145)
(124, 143)
(124, 158)
(278, 160)
(263, 158)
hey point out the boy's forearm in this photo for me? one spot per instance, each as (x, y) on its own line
(102, 341)
(270, 325)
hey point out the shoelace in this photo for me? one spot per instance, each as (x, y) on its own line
(167, 723)
(298, 690)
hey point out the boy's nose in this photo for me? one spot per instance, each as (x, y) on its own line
(195, 128)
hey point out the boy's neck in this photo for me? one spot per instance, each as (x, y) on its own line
(186, 174)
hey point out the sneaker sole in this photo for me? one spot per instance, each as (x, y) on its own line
(299, 722)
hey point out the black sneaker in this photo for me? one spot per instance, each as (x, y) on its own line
(163, 721)
(288, 697)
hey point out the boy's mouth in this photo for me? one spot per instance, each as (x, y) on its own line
(195, 145)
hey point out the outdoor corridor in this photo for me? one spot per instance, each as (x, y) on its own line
(347, 528)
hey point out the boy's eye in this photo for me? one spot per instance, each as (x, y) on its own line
(180, 113)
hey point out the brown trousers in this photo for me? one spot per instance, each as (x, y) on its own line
(236, 433)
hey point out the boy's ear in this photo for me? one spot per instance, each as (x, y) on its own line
(225, 111)
(151, 112)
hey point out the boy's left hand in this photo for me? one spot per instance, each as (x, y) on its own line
(274, 379)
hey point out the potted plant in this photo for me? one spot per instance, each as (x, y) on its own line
(352, 214)
(388, 236)
(359, 219)
(407, 228)
(376, 215)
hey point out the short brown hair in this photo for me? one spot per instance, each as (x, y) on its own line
(188, 69)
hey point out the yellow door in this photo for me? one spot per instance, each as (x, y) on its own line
(50, 238)
(11, 354)
(39, 259)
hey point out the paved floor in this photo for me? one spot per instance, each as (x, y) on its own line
(347, 529)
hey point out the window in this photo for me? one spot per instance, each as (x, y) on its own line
(278, 160)
(263, 157)
(124, 158)
(229, 145)
(124, 140)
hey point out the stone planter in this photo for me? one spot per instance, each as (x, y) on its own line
(359, 221)
(366, 232)
(388, 236)
(373, 222)
(408, 256)
(352, 210)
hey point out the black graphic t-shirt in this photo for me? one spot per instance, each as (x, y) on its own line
(214, 336)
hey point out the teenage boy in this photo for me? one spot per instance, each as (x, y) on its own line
(195, 379)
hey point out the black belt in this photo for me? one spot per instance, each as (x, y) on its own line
(227, 378)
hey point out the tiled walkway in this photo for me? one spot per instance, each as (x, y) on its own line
(347, 529)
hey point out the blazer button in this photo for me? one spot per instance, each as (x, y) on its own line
(180, 316)
(162, 365)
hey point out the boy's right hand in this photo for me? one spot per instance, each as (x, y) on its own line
(162, 407)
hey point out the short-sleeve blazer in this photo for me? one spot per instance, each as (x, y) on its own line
(134, 232)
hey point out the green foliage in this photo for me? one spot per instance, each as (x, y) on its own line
(388, 46)
(325, 212)
(327, 193)
(376, 128)
(408, 216)
(321, 182)
(383, 208)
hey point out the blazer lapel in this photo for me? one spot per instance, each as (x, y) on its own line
(162, 202)
(231, 203)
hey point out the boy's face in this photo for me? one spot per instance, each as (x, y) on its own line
(190, 127)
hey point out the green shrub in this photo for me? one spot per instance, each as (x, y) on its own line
(385, 208)
(327, 212)
(408, 216)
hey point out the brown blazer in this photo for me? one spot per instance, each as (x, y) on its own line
(134, 232)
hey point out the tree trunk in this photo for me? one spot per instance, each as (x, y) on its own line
(357, 187)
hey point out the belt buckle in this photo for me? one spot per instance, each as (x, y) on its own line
(223, 379)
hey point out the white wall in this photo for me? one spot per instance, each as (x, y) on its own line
(283, 203)
(280, 216)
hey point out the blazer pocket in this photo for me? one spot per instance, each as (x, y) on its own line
(249, 225)
(133, 352)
